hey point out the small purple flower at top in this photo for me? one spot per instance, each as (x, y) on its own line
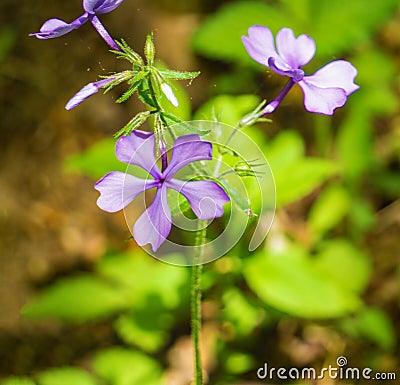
(55, 27)
(324, 91)
(118, 189)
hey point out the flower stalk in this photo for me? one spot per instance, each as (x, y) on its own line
(195, 302)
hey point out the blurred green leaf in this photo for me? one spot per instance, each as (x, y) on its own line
(237, 363)
(17, 381)
(284, 150)
(226, 108)
(145, 327)
(376, 72)
(219, 37)
(119, 366)
(7, 40)
(355, 143)
(146, 277)
(65, 376)
(362, 215)
(237, 310)
(329, 209)
(79, 298)
(345, 263)
(372, 324)
(290, 282)
(96, 161)
(335, 25)
(338, 25)
(300, 178)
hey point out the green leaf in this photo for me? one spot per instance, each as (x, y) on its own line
(355, 143)
(344, 263)
(352, 21)
(132, 271)
(290, 282)
(65, 376)
(17, 381)
(96, 161)
(285, 149)
(240, 312)
(226, 108)
(119, 366)
(145, 328)
(372, 324)
(376, 71)
(219, 37)
(330, 208)
(238, 363)
(297, 180)
(79, 298)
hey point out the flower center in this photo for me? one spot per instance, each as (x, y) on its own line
(296, 74)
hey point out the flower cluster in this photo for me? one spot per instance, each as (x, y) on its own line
(324, 91)
(118, 189)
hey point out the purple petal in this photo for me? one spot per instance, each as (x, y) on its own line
(100, 6)
(205, 197)
(154, 225)
(118, 189)
(295, 52)
(260, 44)
(55, 27)
(138, 149)
(187, 149)
(337, 74)
(322, 100)
(87, 91)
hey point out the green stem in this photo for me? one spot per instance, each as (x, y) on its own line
(195, 294)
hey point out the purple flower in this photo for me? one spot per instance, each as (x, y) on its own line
(324, 91)
(87, 91)
(55, 27)
(118, 189)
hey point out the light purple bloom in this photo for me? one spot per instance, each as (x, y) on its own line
(87, 91)
(118, 189)
(55, 27)
(324, 91)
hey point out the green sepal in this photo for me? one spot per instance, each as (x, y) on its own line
(149, 49)
(187, 127)
(179, 75)
(145, 95)
(135, 81)
(133, 124)
(128, 53)
(119, 78)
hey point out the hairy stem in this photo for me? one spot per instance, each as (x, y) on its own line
(195, 294)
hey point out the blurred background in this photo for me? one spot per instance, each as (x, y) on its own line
(82, 305)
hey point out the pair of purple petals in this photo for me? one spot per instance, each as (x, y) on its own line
(324, 91)
(118, 189)
(55, 27)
